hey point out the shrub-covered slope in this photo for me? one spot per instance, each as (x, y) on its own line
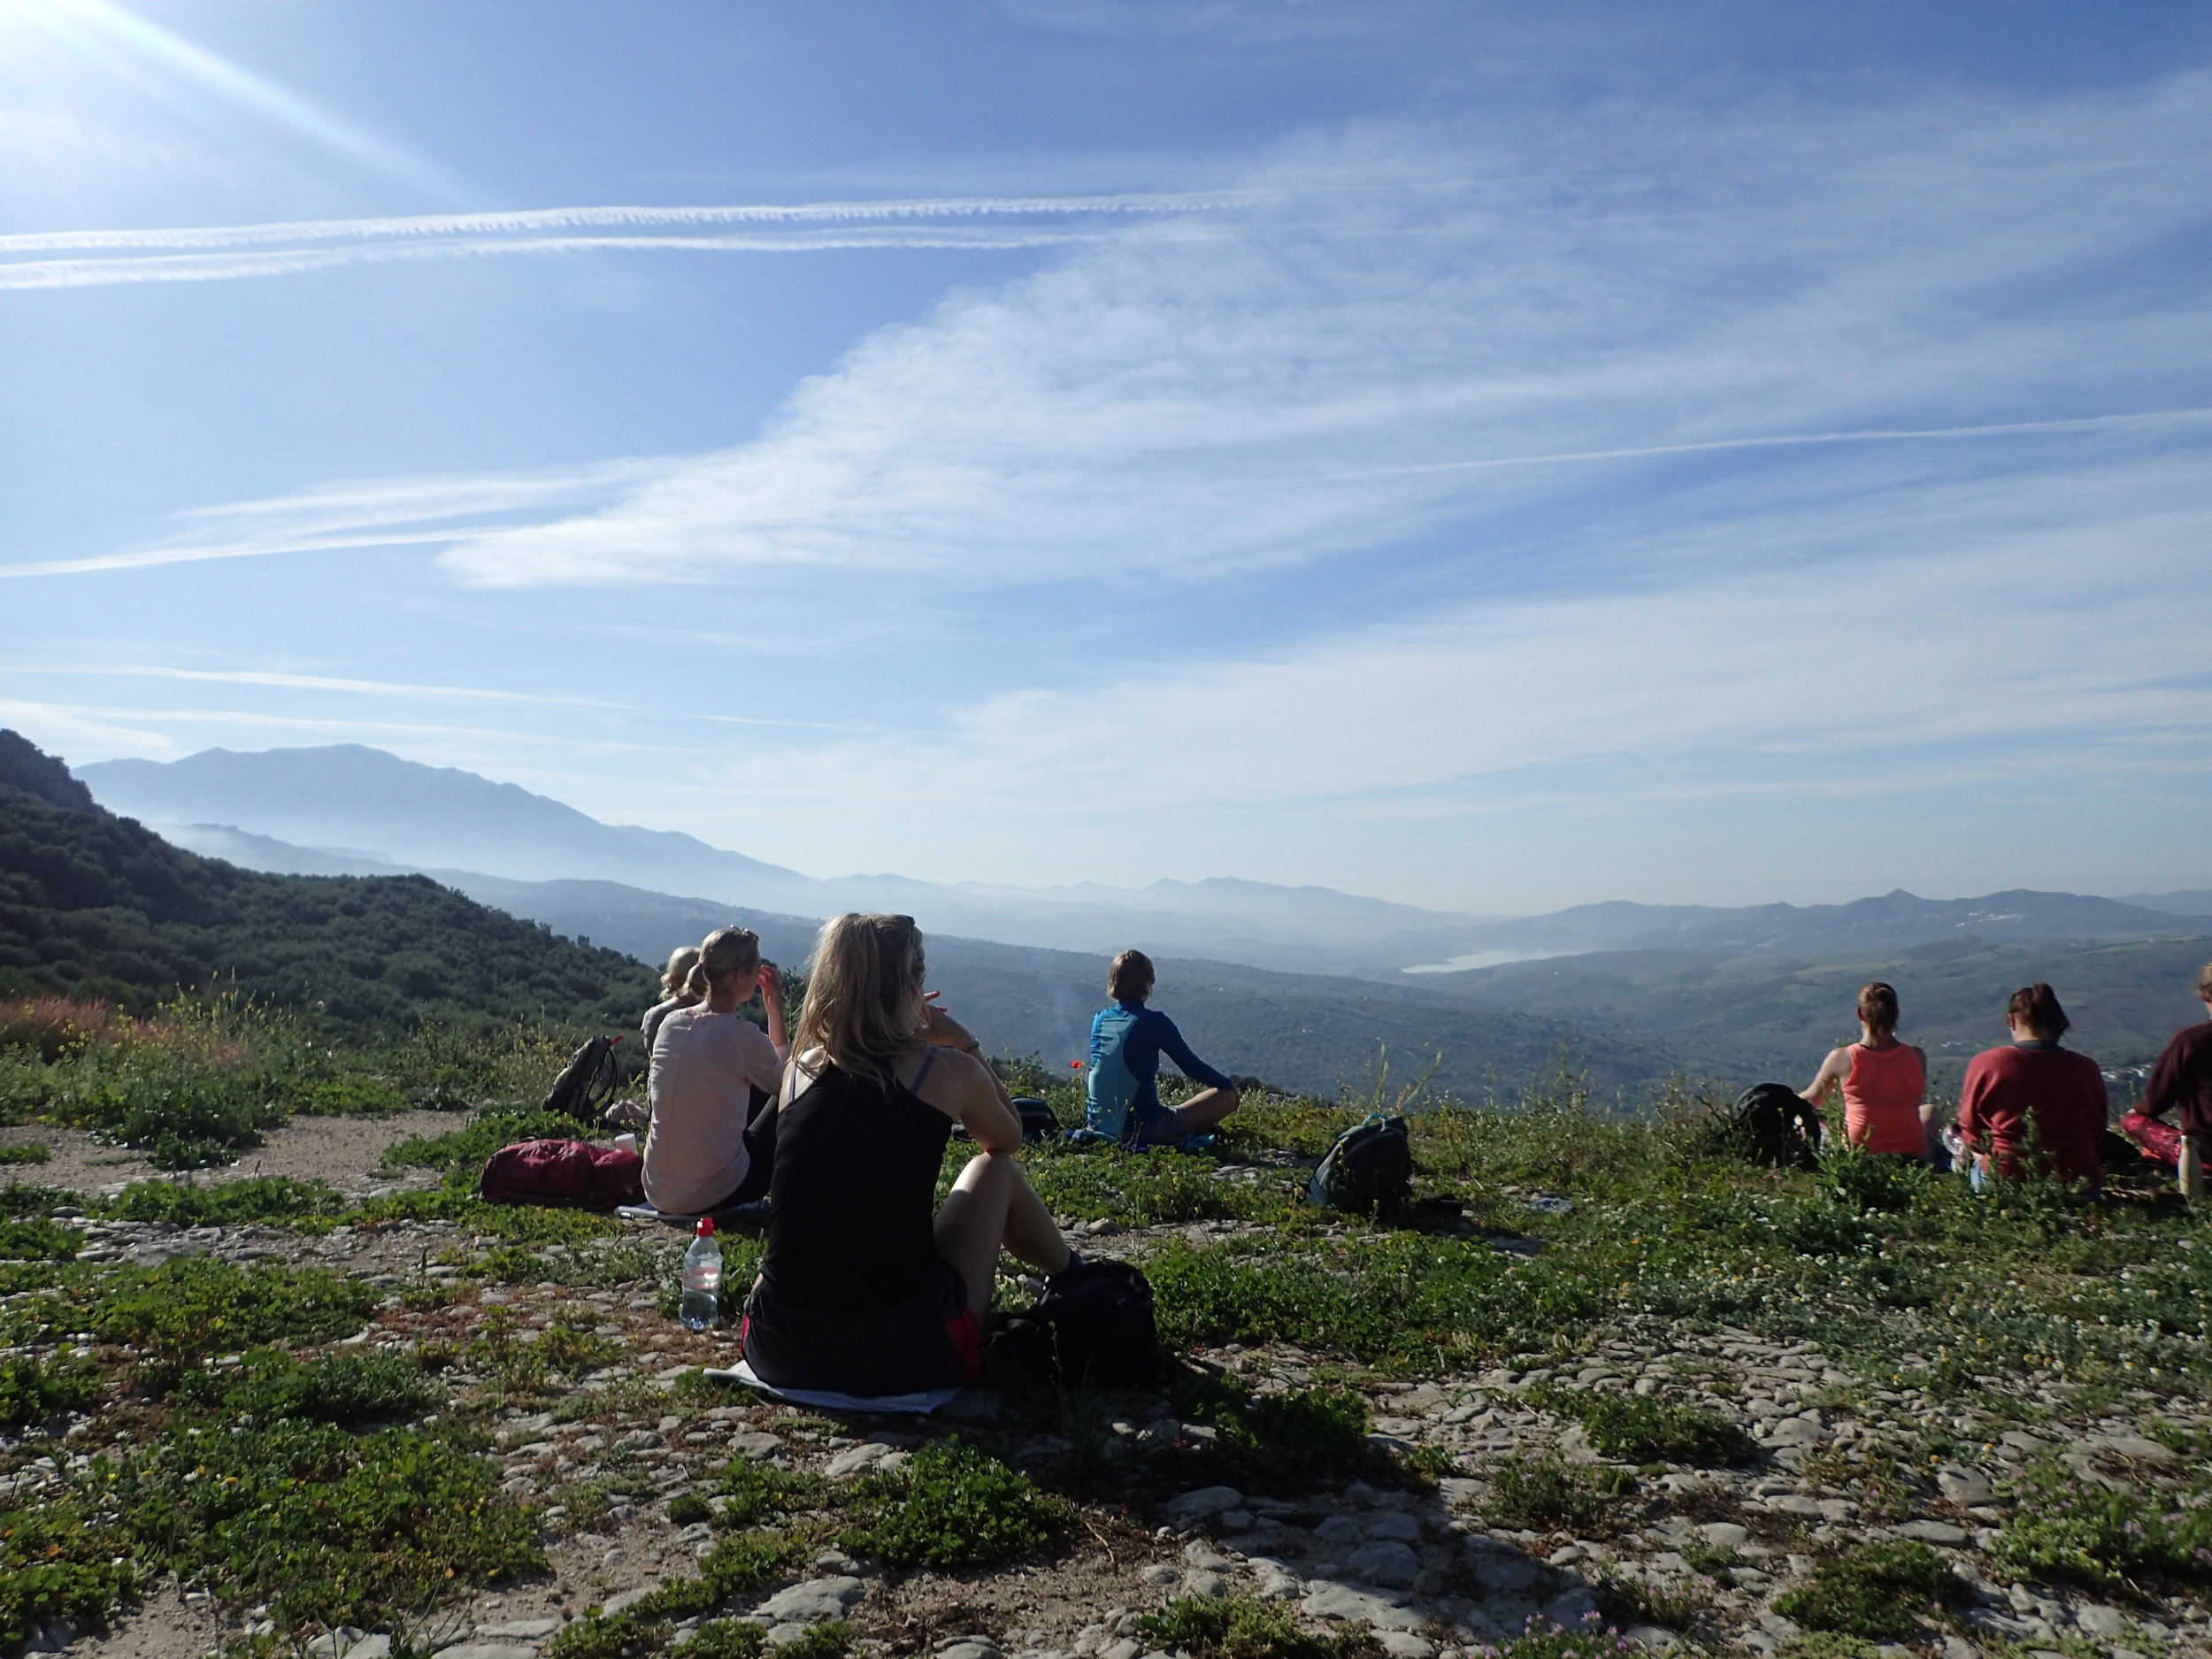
(95, 905)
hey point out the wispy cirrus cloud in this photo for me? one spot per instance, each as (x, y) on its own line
(230, 252)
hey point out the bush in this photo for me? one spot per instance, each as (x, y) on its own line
(1289, 1442)
(26, 1152)
(1241, 1628)
(1639, 1429)
(1559, 1643)
(1876, 1591)
(761, 1493)
(726, 1638)
(949, 1505)
(1549, 1493)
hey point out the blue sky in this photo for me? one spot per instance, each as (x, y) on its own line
(1493, 457)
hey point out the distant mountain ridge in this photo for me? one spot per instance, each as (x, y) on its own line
(404, 816)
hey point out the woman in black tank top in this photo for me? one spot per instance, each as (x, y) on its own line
(867, 1288)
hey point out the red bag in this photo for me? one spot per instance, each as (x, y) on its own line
(2158, 1139)
(573, 1174)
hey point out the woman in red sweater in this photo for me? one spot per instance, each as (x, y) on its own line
(2034, 1081)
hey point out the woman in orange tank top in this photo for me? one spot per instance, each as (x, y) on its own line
(1882, 1081)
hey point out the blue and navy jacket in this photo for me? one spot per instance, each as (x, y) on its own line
(1127, 1040)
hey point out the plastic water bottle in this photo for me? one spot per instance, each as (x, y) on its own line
(703, 1280)
(2192, 1171)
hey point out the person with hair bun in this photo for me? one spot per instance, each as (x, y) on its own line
(2032, 1081)
(1127, 1040)
(1882, 1082)
(867, 1287)
(706, 1063)
(676, 992)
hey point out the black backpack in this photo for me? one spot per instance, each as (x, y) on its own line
(1776, 1125)
(585, 1081)
(1369, 1170)
(1093, 1325)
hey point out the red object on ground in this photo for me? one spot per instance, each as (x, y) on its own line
(563, 1174)
(2159, 1140)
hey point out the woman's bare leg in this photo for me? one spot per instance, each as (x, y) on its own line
(1203, 1110)
(992, 1205)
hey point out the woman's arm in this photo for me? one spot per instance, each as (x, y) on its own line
(771, 1005)
(1189, 1064)
(1830, 1073)
(963, 1086)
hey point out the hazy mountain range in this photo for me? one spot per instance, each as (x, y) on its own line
(1272, 976)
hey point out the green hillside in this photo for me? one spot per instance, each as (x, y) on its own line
(95, 906)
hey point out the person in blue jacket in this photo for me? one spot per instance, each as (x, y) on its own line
(1127, 1040)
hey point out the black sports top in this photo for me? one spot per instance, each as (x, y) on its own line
(853, 1202)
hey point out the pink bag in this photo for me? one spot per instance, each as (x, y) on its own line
(571, 1174)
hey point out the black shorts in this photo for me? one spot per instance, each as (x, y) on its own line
(933, 1340)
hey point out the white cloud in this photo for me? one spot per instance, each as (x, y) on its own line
(2061, 629)
(1344, 363)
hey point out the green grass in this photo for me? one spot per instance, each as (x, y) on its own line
(38, 1240)
(1286, 1443)
(949, 1506)
(26, 1152)
(1877, 1592)
(1241, 1628)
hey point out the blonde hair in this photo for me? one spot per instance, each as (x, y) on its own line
(2204, 980)
(864, 993)
(1129, 977)
(676, 978)
(726, 953)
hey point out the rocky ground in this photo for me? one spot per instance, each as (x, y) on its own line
(1426, 1569)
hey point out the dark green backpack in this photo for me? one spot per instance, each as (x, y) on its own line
(1369, 1172)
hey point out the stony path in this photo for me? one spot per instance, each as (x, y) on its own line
(1420, 1570)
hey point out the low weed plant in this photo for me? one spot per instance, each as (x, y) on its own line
(951, 1505)
(2066, 1528)
(1548, 1494)
(757, 1494)
(38, 1240)
(1241, 1628)
(1877, 1591)
(187, 1310)
(1641, 1429)
(273, 1199)
(1542, 1639)
(272, 1387)
(33, 1390)
(1281, 1442)
(324, 1526)
(55, 1564)
(26, 1152)
(1627, 1599)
